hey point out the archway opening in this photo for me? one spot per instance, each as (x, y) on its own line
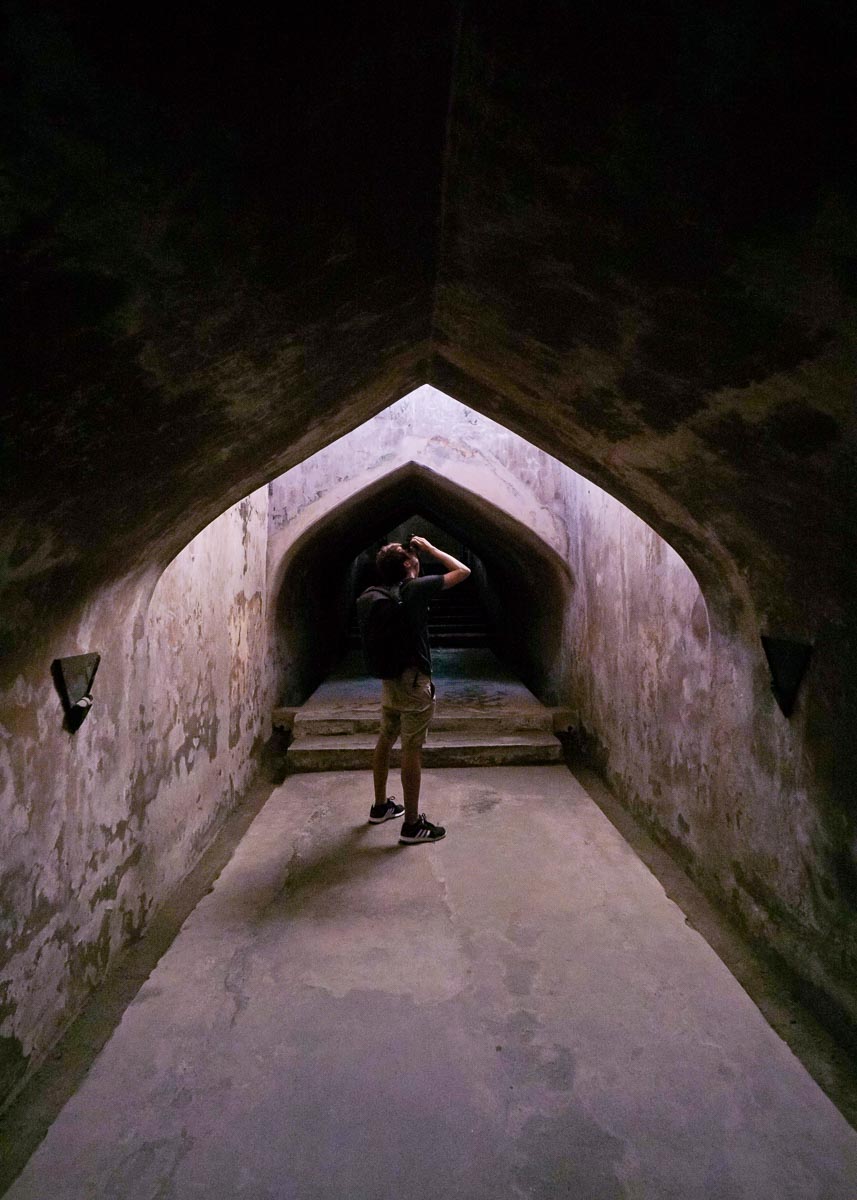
(522, 583)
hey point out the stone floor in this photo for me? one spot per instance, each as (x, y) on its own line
(518, 1011)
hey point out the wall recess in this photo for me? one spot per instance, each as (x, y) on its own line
(787, 661)
(73, 678)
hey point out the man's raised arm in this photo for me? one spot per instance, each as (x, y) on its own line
(456, 572)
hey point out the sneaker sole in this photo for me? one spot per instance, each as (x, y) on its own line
(390, 817)
(421, 841)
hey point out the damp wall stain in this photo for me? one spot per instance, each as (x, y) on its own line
(105, 822)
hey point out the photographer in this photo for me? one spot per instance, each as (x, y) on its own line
(407, 700)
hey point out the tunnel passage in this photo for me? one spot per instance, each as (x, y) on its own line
(614, 281)
(525, 584)
(672, 700)
(458, 618)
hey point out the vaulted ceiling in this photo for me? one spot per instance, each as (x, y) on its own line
(627, 232)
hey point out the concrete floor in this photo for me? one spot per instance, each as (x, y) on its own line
(518, 1011)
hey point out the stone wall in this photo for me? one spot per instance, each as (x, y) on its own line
(671, 694)
(675, 708)
(102, 823)
(671, 689)
(460, 471)
(568, 224)
(208, 700)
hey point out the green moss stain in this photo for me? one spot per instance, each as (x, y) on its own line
(13, 1064)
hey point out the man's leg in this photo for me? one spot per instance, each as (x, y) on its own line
(411, 777)
(381, 767)
(384, 809)
(415, 722)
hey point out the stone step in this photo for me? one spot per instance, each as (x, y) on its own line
(466, 618)
(445, 639)
(461, 641)
(457, 631)
(445, 623)
(353, 752)
(487, 725)
(326, 724)
(456, 628)
(456, 617)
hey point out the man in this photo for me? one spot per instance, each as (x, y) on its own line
(407, 701)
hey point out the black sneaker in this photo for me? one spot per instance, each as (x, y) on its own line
(421, 830)
(388, 811)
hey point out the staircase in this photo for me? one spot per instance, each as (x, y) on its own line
(484, 717)
(456, 620)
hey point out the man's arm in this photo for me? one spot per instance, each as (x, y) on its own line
(456, 571)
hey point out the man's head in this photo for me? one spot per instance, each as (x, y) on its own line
(396, 563)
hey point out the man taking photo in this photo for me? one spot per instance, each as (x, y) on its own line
(393, 627)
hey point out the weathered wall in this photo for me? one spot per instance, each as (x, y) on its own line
(102, 823)
(672, 698)
(428, 454)
(208, 697)
(202, 282)
(634, 277)
(677, 711)
(67, 900)
(229, 239)
(672, 693)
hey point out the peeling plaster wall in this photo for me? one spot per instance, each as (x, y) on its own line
(208, 699)
(642, 650)
(68, 897)
(677, 712)
(103, 823)
(671, 690)
(568, 223)
(672, 699)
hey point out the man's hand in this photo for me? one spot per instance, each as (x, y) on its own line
(456, 571)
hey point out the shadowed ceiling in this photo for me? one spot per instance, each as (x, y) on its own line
(627, 232)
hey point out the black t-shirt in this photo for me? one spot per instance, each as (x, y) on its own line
(416, 595)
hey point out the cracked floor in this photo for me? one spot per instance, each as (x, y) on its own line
(518, 1011)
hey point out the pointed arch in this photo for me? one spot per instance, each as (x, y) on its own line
(308, 595)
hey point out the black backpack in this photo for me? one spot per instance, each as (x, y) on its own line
(383, 631)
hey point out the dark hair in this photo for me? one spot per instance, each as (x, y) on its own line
(392, 562)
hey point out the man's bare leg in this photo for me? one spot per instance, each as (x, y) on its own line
(381, 768)
(411, 777)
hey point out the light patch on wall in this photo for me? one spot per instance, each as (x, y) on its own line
(436, 431)
(548, 538)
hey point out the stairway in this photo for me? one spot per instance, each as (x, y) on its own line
(484, 717)
(456, 620)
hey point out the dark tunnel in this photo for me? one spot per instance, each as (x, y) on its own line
(523, 584)
(624, 238)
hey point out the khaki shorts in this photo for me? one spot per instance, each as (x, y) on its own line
(407, 706)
